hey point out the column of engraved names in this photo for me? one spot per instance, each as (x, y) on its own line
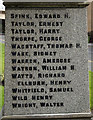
(53, 67)
(39, 37)
(23, 33)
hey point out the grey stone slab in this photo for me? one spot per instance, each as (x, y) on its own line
(46, 119)
(67, 91)
(51, 117)
(1, 113)
(45, 0)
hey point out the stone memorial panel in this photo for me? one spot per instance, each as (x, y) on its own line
(46, 70)
(46, 61)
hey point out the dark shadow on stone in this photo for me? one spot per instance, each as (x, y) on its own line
(3, 83)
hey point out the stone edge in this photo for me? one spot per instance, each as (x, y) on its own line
(47, 4)
(48, 116)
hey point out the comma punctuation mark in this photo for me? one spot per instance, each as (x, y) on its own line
(44, 48)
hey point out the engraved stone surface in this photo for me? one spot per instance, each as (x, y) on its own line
(46, 62)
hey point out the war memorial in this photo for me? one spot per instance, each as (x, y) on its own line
(46, 60)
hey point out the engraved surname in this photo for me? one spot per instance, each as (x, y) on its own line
(28, 90)
(22, 68)
(19, 98)
(20, 16)
(20, 24)
(27, 46)
(15, 61)
(20, 53)
(23, 105)
(22, 39)
(22, 76)
(22, 31)
(31, 83)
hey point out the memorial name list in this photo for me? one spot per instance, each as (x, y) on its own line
(46, 56)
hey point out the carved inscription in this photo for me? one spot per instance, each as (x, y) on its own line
(40, 60)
